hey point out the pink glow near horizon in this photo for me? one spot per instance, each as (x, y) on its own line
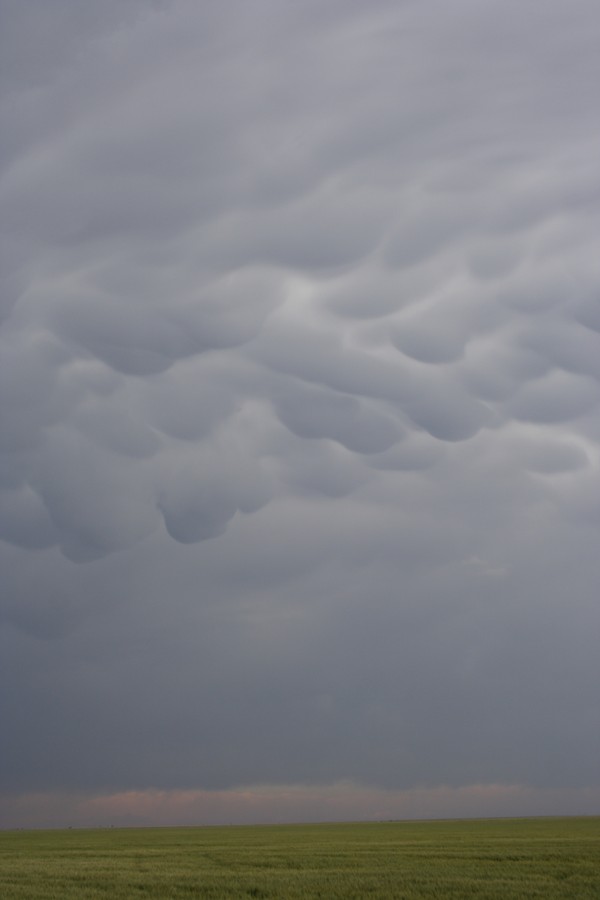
(290, 803)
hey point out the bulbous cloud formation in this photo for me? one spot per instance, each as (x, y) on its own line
(301, 300)
(188, 232)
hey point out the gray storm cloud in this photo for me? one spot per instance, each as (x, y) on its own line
(299, 386)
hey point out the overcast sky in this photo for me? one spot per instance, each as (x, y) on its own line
(300, 438)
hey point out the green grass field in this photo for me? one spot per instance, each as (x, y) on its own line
(502, 858)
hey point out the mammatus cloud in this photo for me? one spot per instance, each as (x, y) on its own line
(300, 390)
(163, 287)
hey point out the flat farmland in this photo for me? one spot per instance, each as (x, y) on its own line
(500, 858)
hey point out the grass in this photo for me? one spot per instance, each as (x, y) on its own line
(502, 858)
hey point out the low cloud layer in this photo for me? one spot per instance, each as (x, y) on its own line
(300, 392)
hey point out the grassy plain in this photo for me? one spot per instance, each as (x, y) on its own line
(501, 858)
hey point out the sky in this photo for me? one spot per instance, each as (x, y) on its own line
(300, 410)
